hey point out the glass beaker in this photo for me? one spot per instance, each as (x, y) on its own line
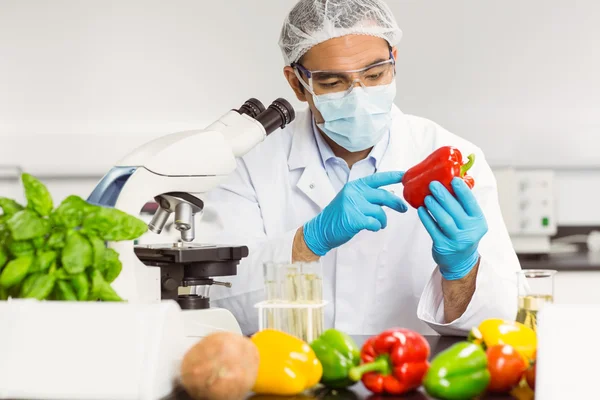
(535, 290)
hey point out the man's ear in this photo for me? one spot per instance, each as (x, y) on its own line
(294, 83)
(395, 53)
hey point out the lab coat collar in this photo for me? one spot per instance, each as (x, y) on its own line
(375, 155)
(304, 149)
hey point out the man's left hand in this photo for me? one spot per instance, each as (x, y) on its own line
(456, 225)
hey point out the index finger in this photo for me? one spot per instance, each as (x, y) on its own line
(466, 198)
(382, 197)
(383, 178)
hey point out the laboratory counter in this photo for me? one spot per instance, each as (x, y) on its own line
(566, 262)
(358, 391)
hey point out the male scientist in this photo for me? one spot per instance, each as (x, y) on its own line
(328, 188)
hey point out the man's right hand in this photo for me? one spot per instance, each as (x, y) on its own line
(356, 207)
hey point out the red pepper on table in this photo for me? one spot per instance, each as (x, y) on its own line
(393, 362)
(442, 165)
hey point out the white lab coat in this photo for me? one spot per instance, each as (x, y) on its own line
(382, 279)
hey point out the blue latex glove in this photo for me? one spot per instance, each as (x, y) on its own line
(457, 226)
(356, 207)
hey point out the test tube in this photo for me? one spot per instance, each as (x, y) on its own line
(313, 277)
(272, 294)
(294, 295)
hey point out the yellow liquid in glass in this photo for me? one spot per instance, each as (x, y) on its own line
(529, 307)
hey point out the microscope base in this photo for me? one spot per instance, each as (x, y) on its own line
(201, 323)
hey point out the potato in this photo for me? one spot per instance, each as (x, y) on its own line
(222, 366)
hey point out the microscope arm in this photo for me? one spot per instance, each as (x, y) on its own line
(213, 150)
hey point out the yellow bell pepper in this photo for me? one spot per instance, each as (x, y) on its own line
(497, 331)
(288, 366)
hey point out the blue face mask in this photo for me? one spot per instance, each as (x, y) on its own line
(359, 120)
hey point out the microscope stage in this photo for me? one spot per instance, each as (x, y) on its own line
(186, 253)
(192, 263)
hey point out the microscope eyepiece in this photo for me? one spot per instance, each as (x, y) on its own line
(252, 107)
(279, 114)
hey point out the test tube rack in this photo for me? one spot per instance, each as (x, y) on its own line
(310, 308)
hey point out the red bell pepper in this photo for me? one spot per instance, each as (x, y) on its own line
(393, 362)
(442, 165)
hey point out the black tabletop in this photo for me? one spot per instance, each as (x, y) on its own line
(358, 391)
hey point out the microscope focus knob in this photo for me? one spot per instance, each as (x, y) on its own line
(170, 284)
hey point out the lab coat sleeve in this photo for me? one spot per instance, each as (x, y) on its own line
(232, 216)
(496, 284)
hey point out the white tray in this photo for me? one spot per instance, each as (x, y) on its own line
(72, 350)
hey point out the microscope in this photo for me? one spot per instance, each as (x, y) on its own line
(175, 170)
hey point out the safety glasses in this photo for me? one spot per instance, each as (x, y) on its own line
(325, 82)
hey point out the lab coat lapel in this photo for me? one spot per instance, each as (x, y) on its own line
(315, 184)
(304, 153)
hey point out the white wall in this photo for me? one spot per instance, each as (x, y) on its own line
(81, 83)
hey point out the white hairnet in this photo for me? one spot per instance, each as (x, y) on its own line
(311, 22)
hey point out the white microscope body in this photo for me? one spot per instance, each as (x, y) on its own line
(191, 162)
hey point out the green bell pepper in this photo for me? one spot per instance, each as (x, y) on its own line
(459, 372)
(338, 353)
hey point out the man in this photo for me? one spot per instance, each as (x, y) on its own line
(328, 189)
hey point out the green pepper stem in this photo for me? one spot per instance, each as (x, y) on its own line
(468, 165)
(380, 365)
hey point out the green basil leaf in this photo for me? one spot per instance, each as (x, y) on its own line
(9, 206)
(77, 254)
(26, 225)
(3, 258)
(20, 248)
(41, 287)
(28, 282)
(4, 235)
(38, 196)
(3, 294)
(65, 291)
(52, 268)
(57, 239)
(43, 261)
(81, 284)
(3, 228)
(15, 271)
(71, 211)
(61, 274)
(101, 290)
(112, 264)
(110, 224)
(39, 243)
(99, 248)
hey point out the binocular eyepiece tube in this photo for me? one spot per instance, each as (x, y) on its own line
(279, 114)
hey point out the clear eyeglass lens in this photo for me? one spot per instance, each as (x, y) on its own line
(330, 82)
